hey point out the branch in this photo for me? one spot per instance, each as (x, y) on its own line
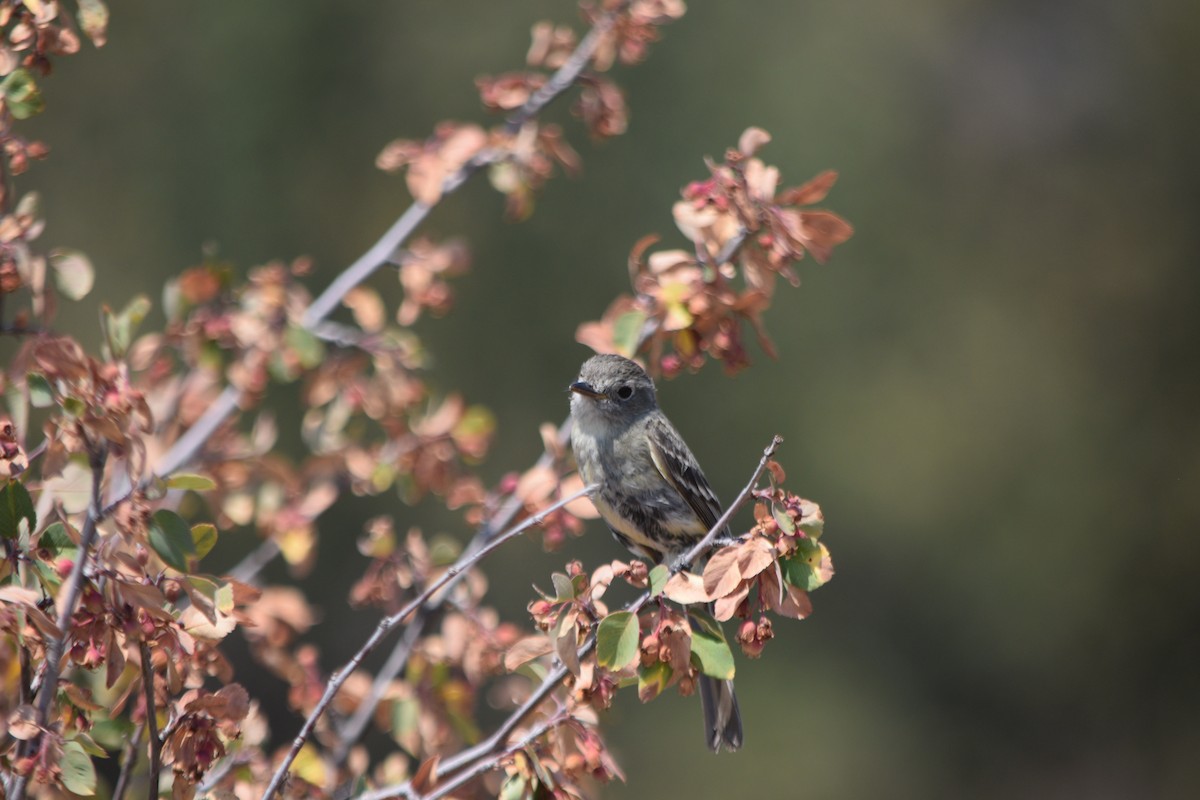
(354, 727)
(466, 776)
(128, 759)
(704, 544)
(54, 652)
(380, 253)
(151, 720)
(465, 562)
(481, 757)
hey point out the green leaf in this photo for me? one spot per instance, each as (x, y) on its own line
(405, 716)
(783, 520)
(627, 330)
(658, 579)
(308, 348)
(15, 505)
(223, 599)
(204, 537)
(617, 640)
(710, 651)
(515, 787)
(803, 568)
(78, 774)
(74, 407)
(652, 680)
(172, 539)
(21, 94)
(186, 480)
(41, 395)
(120, 328)
(564, 587)
(57, 541)
(74, 274)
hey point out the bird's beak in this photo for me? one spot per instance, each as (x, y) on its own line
(585, 389)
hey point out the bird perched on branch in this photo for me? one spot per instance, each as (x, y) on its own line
(651, 491)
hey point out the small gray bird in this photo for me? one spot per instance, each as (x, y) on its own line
(651, 491)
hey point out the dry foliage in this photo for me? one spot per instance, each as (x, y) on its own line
(111, 631)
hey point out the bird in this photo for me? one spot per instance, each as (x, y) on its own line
(650, 491)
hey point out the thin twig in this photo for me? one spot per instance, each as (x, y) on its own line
(151, 721)
(354, 727)
(705, 543)
(466, 776)
(128, 759)
(481, 757)
(465, 562)
(54, 652)
(382, 252)
(562, 79)
(255, 560)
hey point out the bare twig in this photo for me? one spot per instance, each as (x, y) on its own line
(465, 562)
(562, 79)
(704, 544)
(128, 760)
(151, 721)
(382, 252)
(482, 757)
(468, 775)
(354, 727)
(255, 560)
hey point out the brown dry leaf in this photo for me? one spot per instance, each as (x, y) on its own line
(754, 556)
(725, 607)
(426, 775)
(536, 484)
(22, 724)
(686, 587)
(721, 574)
(526, 650)
(752, 140)
(581, 507)
(367, 308)
(814, 191)
(790, 602)
(823, 230)
(28, 598)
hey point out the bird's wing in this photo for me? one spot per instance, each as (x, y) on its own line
(676, 463)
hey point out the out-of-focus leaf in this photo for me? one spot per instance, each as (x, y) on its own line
(197, 483)
(78, 774)
(40, 393)
(21, 95)
(119, 328)
(627, 329)
(57, 542)
(204, 538)
(308, 348)
(171, 538)
(74, 274)
(617, 640)
(93, 18)
(15, 505)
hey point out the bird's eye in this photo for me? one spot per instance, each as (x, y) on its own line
(625, 392)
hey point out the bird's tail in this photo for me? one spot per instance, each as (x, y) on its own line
(722, 719)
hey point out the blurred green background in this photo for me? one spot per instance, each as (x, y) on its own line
(992, 390)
